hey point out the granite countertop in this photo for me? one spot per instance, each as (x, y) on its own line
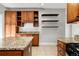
(15, 43)
(66, 40)
(69, 40)
(28, 33)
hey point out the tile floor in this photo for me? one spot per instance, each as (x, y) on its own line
(44, 50)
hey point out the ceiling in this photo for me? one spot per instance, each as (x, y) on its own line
(34, 5)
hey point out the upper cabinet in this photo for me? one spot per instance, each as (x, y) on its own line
(10, 23)
(24, 16)
(7, 17)
(13, 17)
(72, 12)
(10, 17)
(27, 16)
(30, 16)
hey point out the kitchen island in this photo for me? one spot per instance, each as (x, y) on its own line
(16, 47)
(35, 35)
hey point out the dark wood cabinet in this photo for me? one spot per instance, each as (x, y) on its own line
(72, 12)
(61, 48)
(35, 41)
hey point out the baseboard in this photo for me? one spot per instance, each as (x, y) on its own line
(47, 43)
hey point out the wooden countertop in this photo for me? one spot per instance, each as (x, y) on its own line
(15, 43)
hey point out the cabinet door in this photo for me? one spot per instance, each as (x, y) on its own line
(13, 30)
(7, 17)
(72, 12)
(13, 17)
(30, 16)
(78, 8)
(61, 48)
(35, 41)
(7, 31)
(24, 15)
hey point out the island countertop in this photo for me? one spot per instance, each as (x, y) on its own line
(15, 43)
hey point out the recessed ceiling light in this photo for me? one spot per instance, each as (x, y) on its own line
(42, 4)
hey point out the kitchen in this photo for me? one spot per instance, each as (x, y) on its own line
(40, 24)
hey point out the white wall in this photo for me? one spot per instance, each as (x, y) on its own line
(51, 35)
(1, 28)
(73, 29)
(2, 8)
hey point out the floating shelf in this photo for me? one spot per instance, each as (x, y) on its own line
(50, 20)
(49, 26)
(50, 14)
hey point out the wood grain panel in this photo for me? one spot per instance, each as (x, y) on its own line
(61, 48)
(30, 16)
(13, 17)
(72, 12)
(13, 30)
(7, 30)
(7, 17)
(24, 16)
(35, 41)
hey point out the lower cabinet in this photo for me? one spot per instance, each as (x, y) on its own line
(10, 53)
(35, 40)
(27, 51)
(61, 48)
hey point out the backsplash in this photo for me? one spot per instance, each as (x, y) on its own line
(28, 27)
(76, 37)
